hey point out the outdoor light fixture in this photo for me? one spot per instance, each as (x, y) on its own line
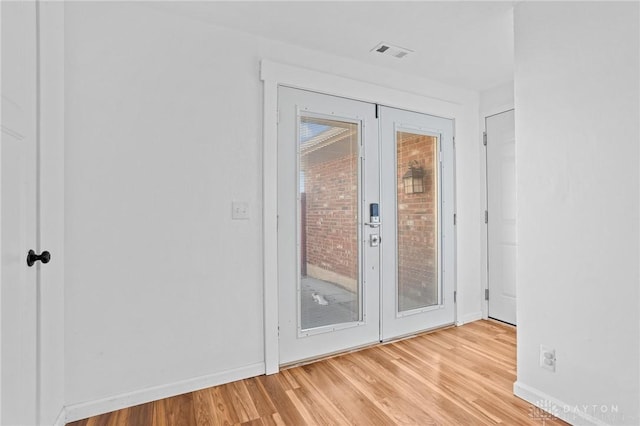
(413, 180)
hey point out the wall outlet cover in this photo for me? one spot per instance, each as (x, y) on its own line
(548, 358)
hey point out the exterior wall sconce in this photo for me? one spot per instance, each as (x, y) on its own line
(413, 180)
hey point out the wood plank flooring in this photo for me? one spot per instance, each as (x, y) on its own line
(457, 376)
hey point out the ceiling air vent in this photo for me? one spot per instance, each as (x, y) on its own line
(391, 50)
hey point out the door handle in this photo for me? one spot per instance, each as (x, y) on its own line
(32, 257)
(373, 224)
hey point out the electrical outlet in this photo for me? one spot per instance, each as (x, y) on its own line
(547, 358)
(239, 210)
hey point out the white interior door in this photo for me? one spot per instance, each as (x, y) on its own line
(18, 215)
(501, 223)
(417, 214)
(328, 268)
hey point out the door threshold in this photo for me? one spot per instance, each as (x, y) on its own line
(330, 355)
(311, 360)
(417, 333)
(502, 322)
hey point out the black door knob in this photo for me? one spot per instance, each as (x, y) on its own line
(32, 257)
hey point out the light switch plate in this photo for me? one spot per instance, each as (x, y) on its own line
(239, 210)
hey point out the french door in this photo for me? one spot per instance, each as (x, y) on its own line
(365, 223)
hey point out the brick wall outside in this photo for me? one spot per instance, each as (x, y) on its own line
(417, 224)
(331, 220)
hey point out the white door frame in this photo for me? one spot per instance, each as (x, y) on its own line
(273, 74)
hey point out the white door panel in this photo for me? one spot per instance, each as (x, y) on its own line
(328, 272)
(418, 241)
(18, 215)
(501, 204)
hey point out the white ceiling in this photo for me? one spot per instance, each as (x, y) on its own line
(465, 44)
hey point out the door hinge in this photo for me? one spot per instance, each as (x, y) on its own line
(277, 116)
(455, 219)
(454, 142)
(377, 112)
(486, 216)
(484, 138)
(486, 294)
(455, 297)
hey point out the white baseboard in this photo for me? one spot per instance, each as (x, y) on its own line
(93, 408)
(572, 414)
(465, 319)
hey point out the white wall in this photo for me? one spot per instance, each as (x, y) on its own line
(577, 127)
(163, 130)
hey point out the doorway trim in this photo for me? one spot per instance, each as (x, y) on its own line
(272, 75)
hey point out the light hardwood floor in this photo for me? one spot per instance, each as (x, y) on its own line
(457, 376)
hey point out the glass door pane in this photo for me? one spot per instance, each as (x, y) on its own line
(417, 221)
(328, 202)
